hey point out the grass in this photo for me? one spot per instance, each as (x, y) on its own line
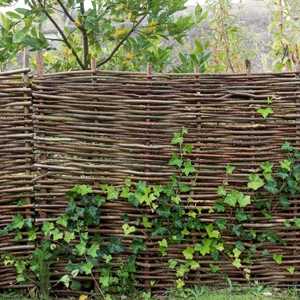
(202, 293)
(257, 293)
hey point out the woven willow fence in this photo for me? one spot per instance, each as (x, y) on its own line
(97, 127)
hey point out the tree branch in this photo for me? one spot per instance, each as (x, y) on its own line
(65, 39)
(118, 46)
(66, 11)
(85, 40)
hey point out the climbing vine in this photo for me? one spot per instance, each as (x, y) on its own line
(110, 263)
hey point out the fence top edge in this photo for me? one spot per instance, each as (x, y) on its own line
(13, 72)
(161, 75)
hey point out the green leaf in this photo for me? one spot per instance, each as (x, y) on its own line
(17, 222)
(69, 236)
(47, 227)
(172, 263)
(92, 251)
(291, 269)
(265, 111)
(188, 167)
(62, 220)
(205, 247)
(146, 223)
(237, 263)
(255, 182)
(32, 235)
(229, 169)
(188, 253)
(212, 233)
(176, 199)
(177, 139)
(176, 161)
(66, 279)
(180, 283)
(163, 247)
(221, 191)
(56, 234)
(127, 229)
(82, 190)
(286, 164)
(187, 148)
(81, 248)
(277, 258)
(287, 147)
(87, 268)
(244, 200)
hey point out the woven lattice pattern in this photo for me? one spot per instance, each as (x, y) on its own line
(16, 159)
(104, 127)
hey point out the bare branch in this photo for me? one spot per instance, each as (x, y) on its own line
(65, 39)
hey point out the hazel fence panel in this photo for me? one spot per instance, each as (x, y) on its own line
(16, 161)
(102, 127)
(105, 126)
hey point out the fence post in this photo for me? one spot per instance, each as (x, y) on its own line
(248, 66)
(43, 156)
(39, 64)
(27, 110)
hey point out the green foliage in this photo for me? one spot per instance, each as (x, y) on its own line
(122, 35)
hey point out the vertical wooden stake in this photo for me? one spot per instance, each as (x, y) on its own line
(248, 66)
(39, 64)
(197, 72)
(149, 71)
(27, 115)
(93, 65)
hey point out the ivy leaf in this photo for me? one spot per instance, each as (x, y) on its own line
(297, 222)
(56, 234)
(205, 247)
(176, 199)
(176, 161)
(212, 233)
(172, 263)
(87, 267)
(286, 164)
(287, 147)
(146, 223)
(66, 279)
(127, 229)
(163, 247)
(17, 222)
(188, 168)
(187, 149)
(188, 253)
(277, 258)
(284, 201)
(291, 269)
(180, 283)
(92, 251)
(137, 246)
(244, 200)
(112, 193)
(255, 182)
(82, 190)
(62, 220)
(69, 236)
(221, 191)
(229, 169)
(177, 138)
(47, 227)
(32, 234)
(237, 263)
(81, 248)
(265, 111)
